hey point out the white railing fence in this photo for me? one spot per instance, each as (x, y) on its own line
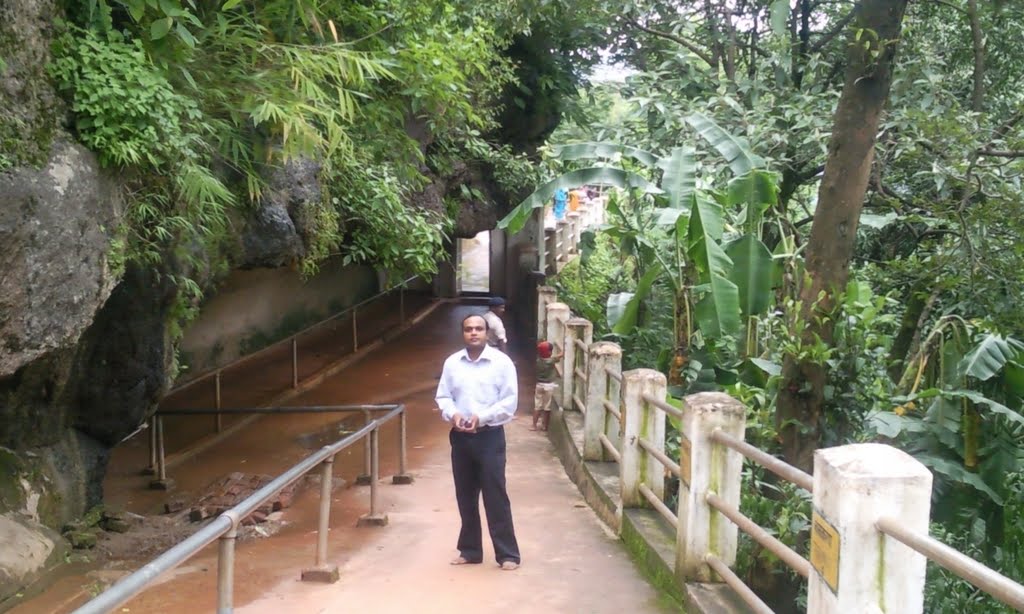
(869, 541)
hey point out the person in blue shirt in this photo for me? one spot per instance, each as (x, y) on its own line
(561, 198)
(477, 394)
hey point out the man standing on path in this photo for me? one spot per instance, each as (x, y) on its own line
(496, 336)
(477, 394)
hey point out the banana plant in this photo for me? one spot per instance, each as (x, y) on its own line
(718, 284)
(961, 411)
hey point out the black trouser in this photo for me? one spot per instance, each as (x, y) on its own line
(478, 465)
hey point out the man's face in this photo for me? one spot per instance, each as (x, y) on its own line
(498, 310)
(474, 332)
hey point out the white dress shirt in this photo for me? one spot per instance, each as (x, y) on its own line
(486, 387)
(495, 328)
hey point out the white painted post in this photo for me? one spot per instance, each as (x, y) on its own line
(586, 219)
(574, 231)
(562, 227)
(637, 466)
(856, 568)
(603, 355)
(558, 315)
(545, 296)
(582, 329)
(707, 467)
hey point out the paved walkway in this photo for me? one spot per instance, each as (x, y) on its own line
(571, 562)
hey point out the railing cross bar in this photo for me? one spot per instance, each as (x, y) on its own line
(769, 462)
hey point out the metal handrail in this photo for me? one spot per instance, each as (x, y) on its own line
(579, 403)
(158, 457)
(204, 375)
(613, 374)
(659, 505)
(997, 585)
(612, 409)
(675, 412)
(580, 374)
(669, 464)
(786, 554)
(736, 584)
(610, 447)
(780, 468)
(226, 524)
(580, 344)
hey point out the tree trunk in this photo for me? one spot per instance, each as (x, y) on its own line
(834, 229)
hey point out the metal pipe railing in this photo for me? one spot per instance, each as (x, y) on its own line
(659, 505)
(224, 527)
(580, 405)
(610, 447)
(580, 344)
(669, 464)
(997, 585)
(290, 339)
(675, 412)
(612, 409)
(735, 583)
(786, 554)
(780, 468)
(614, 374)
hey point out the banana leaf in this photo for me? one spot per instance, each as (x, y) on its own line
(718, 312)
(604, 150)
(989, 357)
(705, 232)
(679, 180)
(735, 150)
(757, 192)
(516, 219)
(627, 312)
(752, 273)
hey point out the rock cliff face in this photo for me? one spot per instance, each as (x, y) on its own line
(56, 227)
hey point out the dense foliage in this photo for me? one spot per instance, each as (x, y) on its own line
(724, 122)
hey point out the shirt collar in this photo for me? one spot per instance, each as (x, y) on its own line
(485, 355)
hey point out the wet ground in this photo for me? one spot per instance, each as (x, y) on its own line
(571, 563)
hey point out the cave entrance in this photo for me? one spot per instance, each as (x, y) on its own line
(474, 268)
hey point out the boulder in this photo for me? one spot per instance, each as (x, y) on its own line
(29, 549)
(56, 226)
(276, 234)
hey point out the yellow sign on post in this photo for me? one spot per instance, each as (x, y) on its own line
(825, 551)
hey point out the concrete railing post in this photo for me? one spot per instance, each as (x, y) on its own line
(603, 356)
(562, 227)
(641, 420)
(707, 467)
(856, 568)
(558, 315)
(585, 217)
(574, 231)
(575, 329)
(550, 251)
(545, 296)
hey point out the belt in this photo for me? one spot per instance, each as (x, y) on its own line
(483, 429)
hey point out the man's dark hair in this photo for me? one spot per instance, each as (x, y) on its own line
(476, 315)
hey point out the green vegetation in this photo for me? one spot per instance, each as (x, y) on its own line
(889, 312)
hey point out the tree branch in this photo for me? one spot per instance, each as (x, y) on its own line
(998, 153)
(834, 32)
(693, 48)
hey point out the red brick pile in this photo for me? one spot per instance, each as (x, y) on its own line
(232, 490)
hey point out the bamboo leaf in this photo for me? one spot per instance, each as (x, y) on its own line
(516, 219)
(735, 150)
